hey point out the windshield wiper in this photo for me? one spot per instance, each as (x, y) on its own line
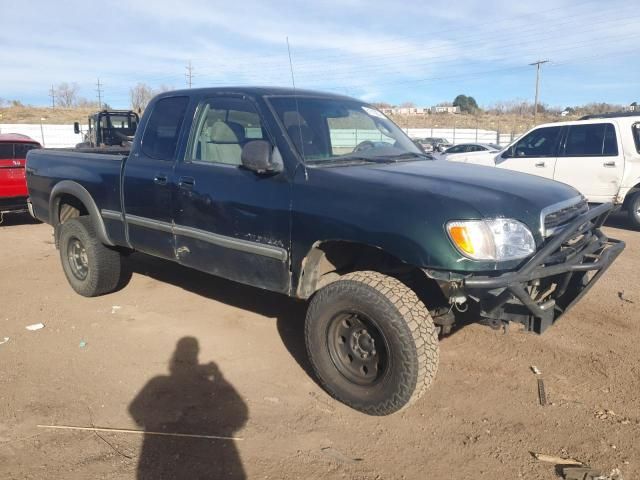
(349, 159)
(408, 156)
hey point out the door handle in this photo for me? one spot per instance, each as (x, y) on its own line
(186, 183)
(540, 164)
(160, 179)
(610, 163)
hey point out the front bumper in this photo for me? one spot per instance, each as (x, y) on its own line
(551, 281)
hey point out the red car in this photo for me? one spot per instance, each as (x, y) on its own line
(13, 186)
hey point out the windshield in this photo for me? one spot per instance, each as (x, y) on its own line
(329, 131)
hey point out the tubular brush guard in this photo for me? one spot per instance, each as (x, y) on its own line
(554, 279)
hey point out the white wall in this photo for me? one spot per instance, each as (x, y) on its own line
(51, 136)
(62, 136)
(461, 135)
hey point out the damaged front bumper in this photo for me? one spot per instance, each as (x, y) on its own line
(551, 281)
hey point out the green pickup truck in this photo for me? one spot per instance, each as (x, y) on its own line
(322, 198)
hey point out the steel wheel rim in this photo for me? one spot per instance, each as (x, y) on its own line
(78, 260)
(357, 348)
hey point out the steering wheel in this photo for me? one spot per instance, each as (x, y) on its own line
(365, 145)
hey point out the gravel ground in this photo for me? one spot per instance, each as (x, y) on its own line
(179, 351)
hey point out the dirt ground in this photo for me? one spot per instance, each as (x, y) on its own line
(129, 359)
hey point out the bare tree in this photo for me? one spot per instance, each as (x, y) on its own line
(86, 103)
(141, 95)
(67, 94)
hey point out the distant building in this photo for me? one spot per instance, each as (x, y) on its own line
(405, 111)
(634, 107)
(445, 109)
(420, 110)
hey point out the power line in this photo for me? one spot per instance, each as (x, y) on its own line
(189, 74)
(52, 94)
(99, 90)
(535, 105)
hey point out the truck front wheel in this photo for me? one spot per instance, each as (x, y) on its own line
(91, 268)
(633, 210)
(371, 342)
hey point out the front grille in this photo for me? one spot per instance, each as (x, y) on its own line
(553, 219)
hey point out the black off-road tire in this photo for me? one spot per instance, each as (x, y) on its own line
(633, 210)
(104, 269)
(405, 328)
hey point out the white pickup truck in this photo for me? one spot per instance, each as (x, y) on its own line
(599, 155)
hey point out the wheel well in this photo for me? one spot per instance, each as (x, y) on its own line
(629, 195)
(327, 261)
(67, 206)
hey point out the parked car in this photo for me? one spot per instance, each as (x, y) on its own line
(434, 144)
(384, 244)
(599, 156)
(463, 151)
(13, 186)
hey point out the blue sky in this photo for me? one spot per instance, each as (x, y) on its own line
(378, 51)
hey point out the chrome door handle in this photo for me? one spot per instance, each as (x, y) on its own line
(186, 183)
(160, 179)
(540, 164)
(610, 163)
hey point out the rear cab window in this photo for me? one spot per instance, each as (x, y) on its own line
(635, 129)
(591, 140)
(160, 139)
(18, 151)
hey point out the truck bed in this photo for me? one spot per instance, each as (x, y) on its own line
(98, 173)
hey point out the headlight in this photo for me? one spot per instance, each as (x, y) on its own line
(497, 240)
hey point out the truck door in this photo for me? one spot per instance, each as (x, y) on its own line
(591, 161)
(535, 153)
(148, 179)
(230, 221)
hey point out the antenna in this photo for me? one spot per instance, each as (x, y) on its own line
(295, 96)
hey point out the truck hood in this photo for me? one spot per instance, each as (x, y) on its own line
(460, 189)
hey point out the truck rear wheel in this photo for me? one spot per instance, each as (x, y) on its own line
(371, 342)
(633, 210)
(91, 268)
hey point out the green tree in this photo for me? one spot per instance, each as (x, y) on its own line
(467, 104)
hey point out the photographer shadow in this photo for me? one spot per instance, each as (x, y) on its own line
(194, 399)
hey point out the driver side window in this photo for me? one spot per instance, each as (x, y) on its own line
(223, 127)
(542, 142)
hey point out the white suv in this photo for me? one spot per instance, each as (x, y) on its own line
(599, 155)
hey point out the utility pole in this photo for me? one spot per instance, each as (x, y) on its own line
(99, 90)
(52, 94)
(535, 106)
(189, 74)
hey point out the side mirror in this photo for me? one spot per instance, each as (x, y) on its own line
(259, 156)
(76, 127)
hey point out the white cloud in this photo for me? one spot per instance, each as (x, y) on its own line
(370, 49)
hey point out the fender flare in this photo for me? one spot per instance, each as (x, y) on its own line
(76, 190)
